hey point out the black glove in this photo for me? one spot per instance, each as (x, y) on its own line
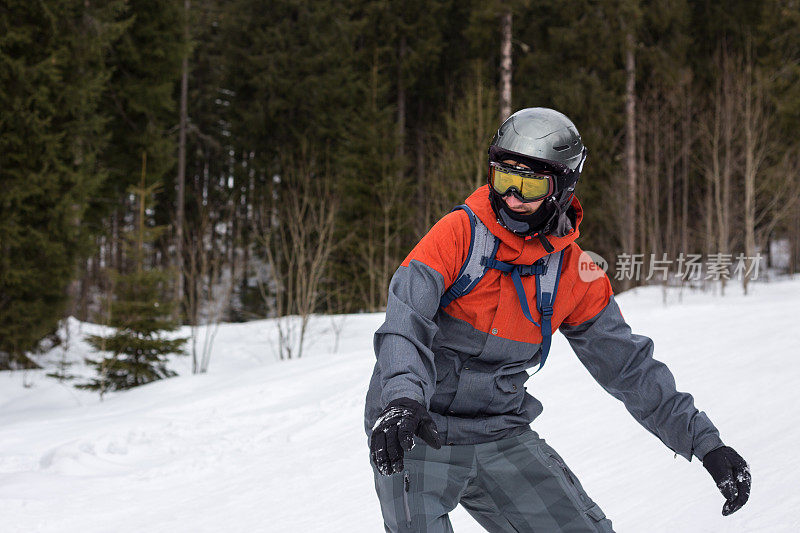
(394, 432)
(732, 476)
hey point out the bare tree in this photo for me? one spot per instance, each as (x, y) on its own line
(721, 155)
(726, 157)
(743, 174)
(756, 128)
(379, 250)
(210, 276)
(295, 229)
(771, 191)
(334, 307)
(777, 194)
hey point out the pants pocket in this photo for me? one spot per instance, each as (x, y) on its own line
(583, 503)
(572, 486)
(406, 497)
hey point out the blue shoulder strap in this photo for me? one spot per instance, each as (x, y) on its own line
(547, 271)
(546, 289)
(481, 257)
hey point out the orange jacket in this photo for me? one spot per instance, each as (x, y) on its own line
(493, 307)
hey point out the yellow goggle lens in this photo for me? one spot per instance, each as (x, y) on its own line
(529, 187)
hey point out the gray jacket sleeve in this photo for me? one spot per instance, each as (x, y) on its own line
(623, 364)
(403, 342)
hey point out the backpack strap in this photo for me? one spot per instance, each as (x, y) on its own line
(547, 271)
(546, 289)
(481, 257)
(482, 246)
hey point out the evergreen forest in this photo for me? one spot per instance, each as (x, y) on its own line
(279, 158)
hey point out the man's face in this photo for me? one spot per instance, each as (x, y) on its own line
(514, 203)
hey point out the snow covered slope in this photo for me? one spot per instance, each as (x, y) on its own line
(262, 445)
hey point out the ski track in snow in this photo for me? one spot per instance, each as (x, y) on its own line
(263, 445)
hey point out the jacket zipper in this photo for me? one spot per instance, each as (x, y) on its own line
(406, 488)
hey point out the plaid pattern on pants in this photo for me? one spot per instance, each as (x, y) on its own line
(518, 484)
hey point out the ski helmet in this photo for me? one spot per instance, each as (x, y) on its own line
(545, 141)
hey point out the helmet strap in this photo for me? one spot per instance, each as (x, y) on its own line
(545, 243)
(524, 224)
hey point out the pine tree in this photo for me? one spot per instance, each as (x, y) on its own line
(372, 195)
(138, 313)
(460, 165)
(139, 99)
(52, 72)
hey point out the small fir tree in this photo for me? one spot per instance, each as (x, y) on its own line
(139, 314)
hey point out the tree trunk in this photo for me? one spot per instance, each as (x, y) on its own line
(654, 181)
(629, 231)
(422, 185)
(401, 108)
(715, 170)
(756, 137)
(140, 221)
(727, 171)
(686, 142)
(670, 149)
(640, 228)
(179, 201)
(115, 247)
(505, 65)
(480, 155)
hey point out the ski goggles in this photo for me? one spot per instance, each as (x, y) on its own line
(529, 184)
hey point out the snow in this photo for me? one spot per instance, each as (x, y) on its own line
(259, 444)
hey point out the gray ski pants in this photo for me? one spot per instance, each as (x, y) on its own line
(518, 484)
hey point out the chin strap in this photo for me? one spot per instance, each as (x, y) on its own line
(545, 243)
(506, 218)
(542, 235)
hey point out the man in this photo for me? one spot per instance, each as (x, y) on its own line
(453, 354)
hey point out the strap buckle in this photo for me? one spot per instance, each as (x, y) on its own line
(532, 270)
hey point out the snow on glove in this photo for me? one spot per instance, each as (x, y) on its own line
(393, 433)
(732, 476)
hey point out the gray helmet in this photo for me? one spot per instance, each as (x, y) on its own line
(541, 133)
(547, 140)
